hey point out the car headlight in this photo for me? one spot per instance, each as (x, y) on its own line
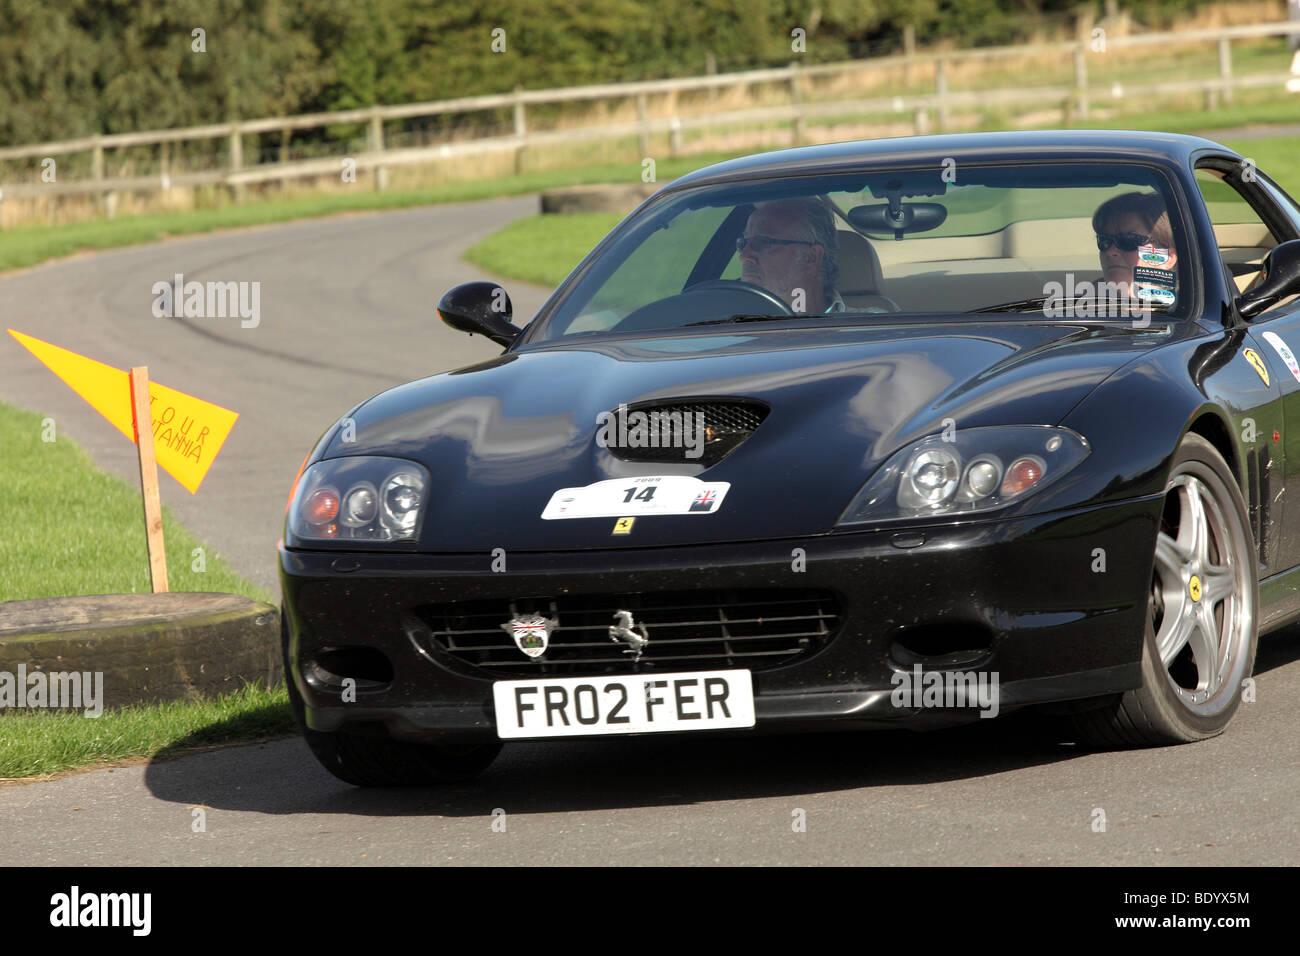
(360, 498)
(968, 470)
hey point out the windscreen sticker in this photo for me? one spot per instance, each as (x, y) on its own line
(1154, 294)
(627, 498)
(1281, 348)
(1154, 286)
(1151, 255)
(1257, 363)
(1156, 277)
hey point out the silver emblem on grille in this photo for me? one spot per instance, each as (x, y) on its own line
(626, 632)
(532, 632)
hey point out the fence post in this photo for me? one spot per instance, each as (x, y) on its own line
(521, 128)
(1081, 80)
(675, 137)
(1225, 67)
(164, 171)
(642, 118)
(909, 52)
(97, 159)
(236, 160)
(97, 173)
(921, 122)
(940, 92)
(375, 143)
(796, 97)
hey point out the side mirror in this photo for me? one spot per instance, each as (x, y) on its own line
(479, 307)
(1278, 278)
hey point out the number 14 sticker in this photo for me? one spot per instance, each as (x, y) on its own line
(645, 495)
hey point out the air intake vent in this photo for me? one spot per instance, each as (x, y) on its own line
(687, 630)
(699, 431)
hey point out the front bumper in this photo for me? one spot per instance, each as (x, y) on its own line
(1060, 599)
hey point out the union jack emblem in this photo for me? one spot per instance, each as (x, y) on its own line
(532, 634)
(704, 501)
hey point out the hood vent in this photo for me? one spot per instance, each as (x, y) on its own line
(680, 431)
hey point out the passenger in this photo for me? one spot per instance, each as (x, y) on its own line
(1133, 231)
(790, 245)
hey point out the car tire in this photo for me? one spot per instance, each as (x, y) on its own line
(1202, 621)
(380, 761)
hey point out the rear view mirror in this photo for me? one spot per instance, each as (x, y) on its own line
(898, 217)
(1279, 277)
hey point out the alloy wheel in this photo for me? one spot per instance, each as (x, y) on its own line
(1202, 602)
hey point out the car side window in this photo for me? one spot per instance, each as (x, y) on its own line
(1242, 235)
(1287, 204)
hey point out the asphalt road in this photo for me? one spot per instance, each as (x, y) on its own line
(989, 794)
(347, 309)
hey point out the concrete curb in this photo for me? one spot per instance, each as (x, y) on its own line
(149, 647)
(623, 197)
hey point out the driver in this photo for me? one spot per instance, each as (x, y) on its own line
(789, 248)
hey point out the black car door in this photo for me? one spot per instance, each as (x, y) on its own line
(1251, 215)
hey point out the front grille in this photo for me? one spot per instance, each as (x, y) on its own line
(725, 425)
(691, 630)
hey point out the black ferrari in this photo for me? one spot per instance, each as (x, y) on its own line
(897, 433)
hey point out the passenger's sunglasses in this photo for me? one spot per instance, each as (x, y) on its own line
(763, 243)
(1126, 241)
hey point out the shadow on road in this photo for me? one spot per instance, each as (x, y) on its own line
(1278, 649)
(281, 777)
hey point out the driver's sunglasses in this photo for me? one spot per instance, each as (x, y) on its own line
(763, 243)
(1126, 241)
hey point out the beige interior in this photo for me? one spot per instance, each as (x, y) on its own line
(1243, 244)
(1014, 263)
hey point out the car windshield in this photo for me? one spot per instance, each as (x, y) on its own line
(1065, 240)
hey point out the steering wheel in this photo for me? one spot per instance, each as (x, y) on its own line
(710, 299)
(740, 285)
(876, 303)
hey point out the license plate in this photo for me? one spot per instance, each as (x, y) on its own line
(643, 495)
(630, 704)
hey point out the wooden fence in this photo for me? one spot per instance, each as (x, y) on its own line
(929, 111)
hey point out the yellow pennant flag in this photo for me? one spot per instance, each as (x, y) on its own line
(187, 431)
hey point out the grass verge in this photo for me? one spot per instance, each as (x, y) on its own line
(72, 529)
(37, 743)
(69, 528)
(541, 249)
(29, 245)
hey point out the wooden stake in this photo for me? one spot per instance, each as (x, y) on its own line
(149, 478)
